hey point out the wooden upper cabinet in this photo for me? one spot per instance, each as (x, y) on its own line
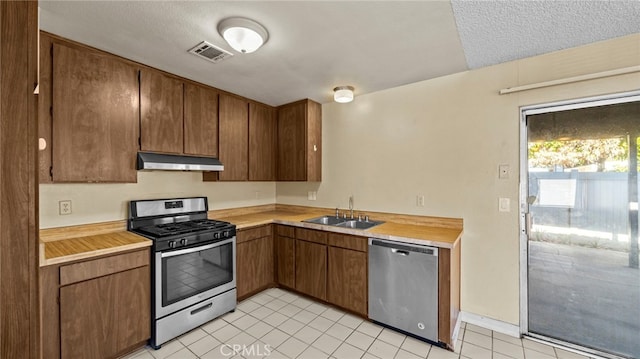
(262, 142)
(95, 117)
(161, 112)
(234, 138)
(44, 108)
(300, 141)
(200, 121)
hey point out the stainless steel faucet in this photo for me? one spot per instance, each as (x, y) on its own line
(351, 205)
(337, 212)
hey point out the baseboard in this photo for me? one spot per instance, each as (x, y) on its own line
(491, 324)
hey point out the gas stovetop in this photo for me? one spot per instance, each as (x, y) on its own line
(177, 223)
(172, 229)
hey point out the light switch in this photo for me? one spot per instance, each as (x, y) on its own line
(504, 204)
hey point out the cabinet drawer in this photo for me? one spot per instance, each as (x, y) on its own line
(254, 233)
(348, 242)
(286, 231)
(100, 267)
(311, 235)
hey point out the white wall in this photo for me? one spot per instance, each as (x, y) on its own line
(93, 203)
(444, 138)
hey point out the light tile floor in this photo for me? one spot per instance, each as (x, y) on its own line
(278, 324)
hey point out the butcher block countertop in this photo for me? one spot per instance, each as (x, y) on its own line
(66, 244)
(433, 231)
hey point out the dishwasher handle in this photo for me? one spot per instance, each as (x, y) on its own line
(399, 252)
(404, 249)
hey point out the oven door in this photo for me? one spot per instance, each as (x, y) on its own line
(185, 277)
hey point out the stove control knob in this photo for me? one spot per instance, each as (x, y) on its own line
(172, 244)
(225, 233)
(184, 241)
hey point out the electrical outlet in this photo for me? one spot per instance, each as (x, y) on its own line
(257, 194)
(420, 200)
(503, 171)
(64, 207)
(504, 204)
(312, 195)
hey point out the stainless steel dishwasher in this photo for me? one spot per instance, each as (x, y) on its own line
(403, 287)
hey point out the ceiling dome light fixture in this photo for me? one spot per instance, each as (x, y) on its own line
(244, 35)
(343, 94)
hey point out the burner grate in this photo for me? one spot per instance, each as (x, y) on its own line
(171, 229)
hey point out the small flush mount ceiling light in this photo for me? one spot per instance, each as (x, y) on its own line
(244, 35)
(343, 94)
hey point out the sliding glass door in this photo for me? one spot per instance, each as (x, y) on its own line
(579, 211)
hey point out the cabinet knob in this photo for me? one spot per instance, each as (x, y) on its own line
(42, 144)
(315, 148)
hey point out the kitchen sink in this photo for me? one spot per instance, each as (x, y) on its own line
(359, 224)
(326, 220)
(343, 222)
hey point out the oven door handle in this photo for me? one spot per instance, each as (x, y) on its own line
(195, 249)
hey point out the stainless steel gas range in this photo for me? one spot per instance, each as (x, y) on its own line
(193, 269)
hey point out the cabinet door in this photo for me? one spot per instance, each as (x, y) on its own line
(200, 121)
(132, 290)
(234, 138)
(88, 319)
(264, 258)
(286, 261)
(262, 143)
(292, 142)
(245, 267)
(254, 265)
(314, 142)
(102, 317)
(95, 117)
(347, 279)
(311, 269)
(300, 141)
(160, 113)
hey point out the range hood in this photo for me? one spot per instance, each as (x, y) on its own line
(158, 161)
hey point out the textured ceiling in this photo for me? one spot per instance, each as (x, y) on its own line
(496, 31)
(316, 45)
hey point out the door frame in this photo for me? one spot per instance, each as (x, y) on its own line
(610, 99)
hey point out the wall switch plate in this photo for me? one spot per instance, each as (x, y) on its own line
(312, 195)
(504, 204)
(420, 200)
(503, 171)
(64, 207)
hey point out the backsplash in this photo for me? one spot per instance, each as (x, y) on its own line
(101, 202)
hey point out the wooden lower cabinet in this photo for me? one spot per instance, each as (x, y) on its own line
(347, 279)
(285, 256)
(101, 317)
(311, 269)
(286, 261)
(254, 263)
(98, 308)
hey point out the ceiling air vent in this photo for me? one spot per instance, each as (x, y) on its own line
(210, 52)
